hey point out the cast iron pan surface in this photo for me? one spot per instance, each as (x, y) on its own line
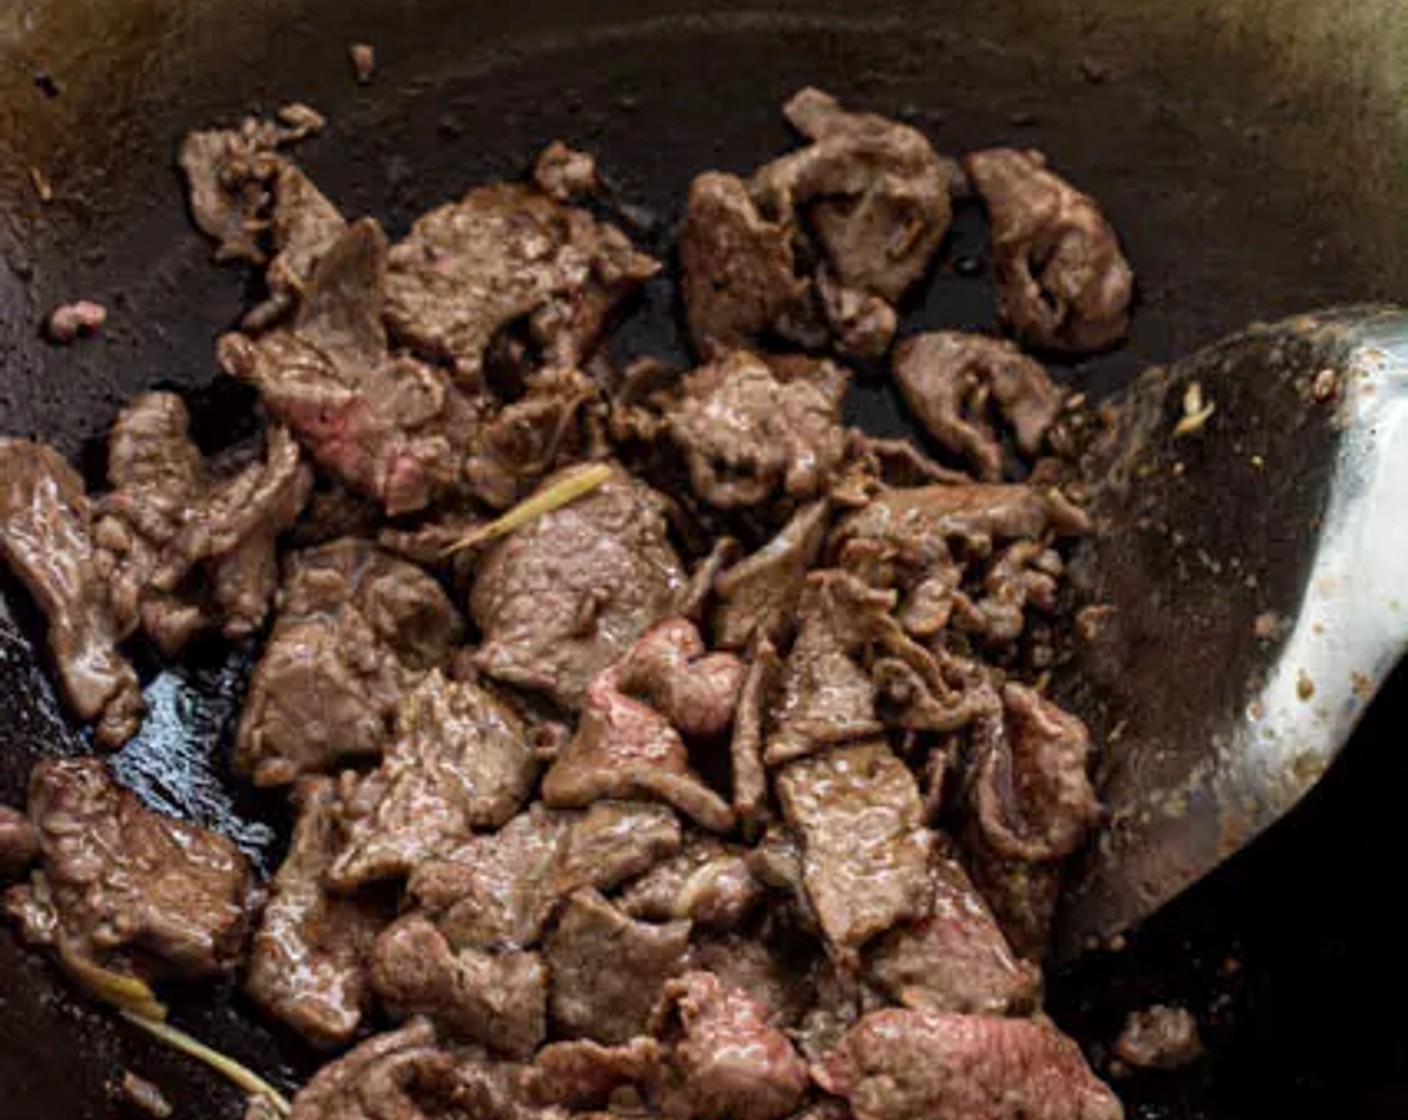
(1207, 153)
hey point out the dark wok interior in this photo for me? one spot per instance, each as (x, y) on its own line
(1251, 154)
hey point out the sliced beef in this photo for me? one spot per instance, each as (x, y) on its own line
(612, 842)
(920, 521)
(708, 883)
(1159, 1037)
(1030, 803)
(750, 780)
(505, 253)
(608, 970)
(122, 884)
(566, 595)
(385, 425)
(356, 631)
(1062, 282)
(19, 843)
(865, 848)
(46, 540)
(955, 383)
(671, 670)
(307, 964)
(897, 1065)
(583, 1074)
(460, 760)
(496, 999)
(759, 595)
(751, 431)
(955, 958)
(303, 226)
(729, 1062)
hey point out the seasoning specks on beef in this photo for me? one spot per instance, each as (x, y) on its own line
(1062, 282)
(308, 960)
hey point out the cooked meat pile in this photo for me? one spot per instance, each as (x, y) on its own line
(718, 779)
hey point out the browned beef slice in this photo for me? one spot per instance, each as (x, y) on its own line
(759, 595)
(118, 878)
(708, 883)
(502, 253)
(865, 848)
(308, 959)
(955, 957)
(1159, 1037)
(386, 425)
(750, 780)
(729, 1062)
(897, 1065)
(671, 670)
(46, 540)
(496, 999)
(736, 267)
(460, 761)
(566, 595)
(749, 433)
(624, 748)
(1029, 803)
(1063, 283)
(356, 631)
(584, 1074)
(918, 521)
(608, 970)
(19, 843)
(611, 842)
(953, 382)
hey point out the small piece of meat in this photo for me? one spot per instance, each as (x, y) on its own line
(566, 595)
(19, 843)
(750, 779)
(898, 1065)
(918, 521)
(400, 1075)
(584, 1074)
(759, 595)
(953, 381)
(460, 761)
(308, 959)
(46, 540)
(729, 1062)
(954, 959)
(1062, 282)
(737, 270)
(624, 748)
(496, 999)
(865, 849)
(118, 878)
(708, 883)
(612, 842)
(145, 1095)
(356, 631)
(671, 670)
(363, 59)
(563, 173)
(608, 971)
(1159, 1037)
(749, 434)
(72, 321)
(507, 252)
(385, 425)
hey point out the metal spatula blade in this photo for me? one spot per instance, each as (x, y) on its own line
(1252, 502)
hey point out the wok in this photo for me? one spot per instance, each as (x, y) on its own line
(1251, 153)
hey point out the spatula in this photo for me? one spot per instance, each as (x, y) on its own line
(1252, 573)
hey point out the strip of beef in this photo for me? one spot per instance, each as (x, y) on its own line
(460, 761)
(750, 779)
(751, 431)
(612, 842)
(565, 596)
(387, 426)
(608, 970)
(759, 595)
(303, 226)
(307, 964)
(122, 884)
(695, 600)
(46, 540)
(708, 883)
(1159, 1037)
(19, 843)
(954, 382)
(496, 999)
(671, 670)
(1062, 282)
(897, 1065)
(503, 253)
(954, 959)
(866, 852)
(583, 1074)
(1029, 803)
(729, 1062)
(356, 631)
